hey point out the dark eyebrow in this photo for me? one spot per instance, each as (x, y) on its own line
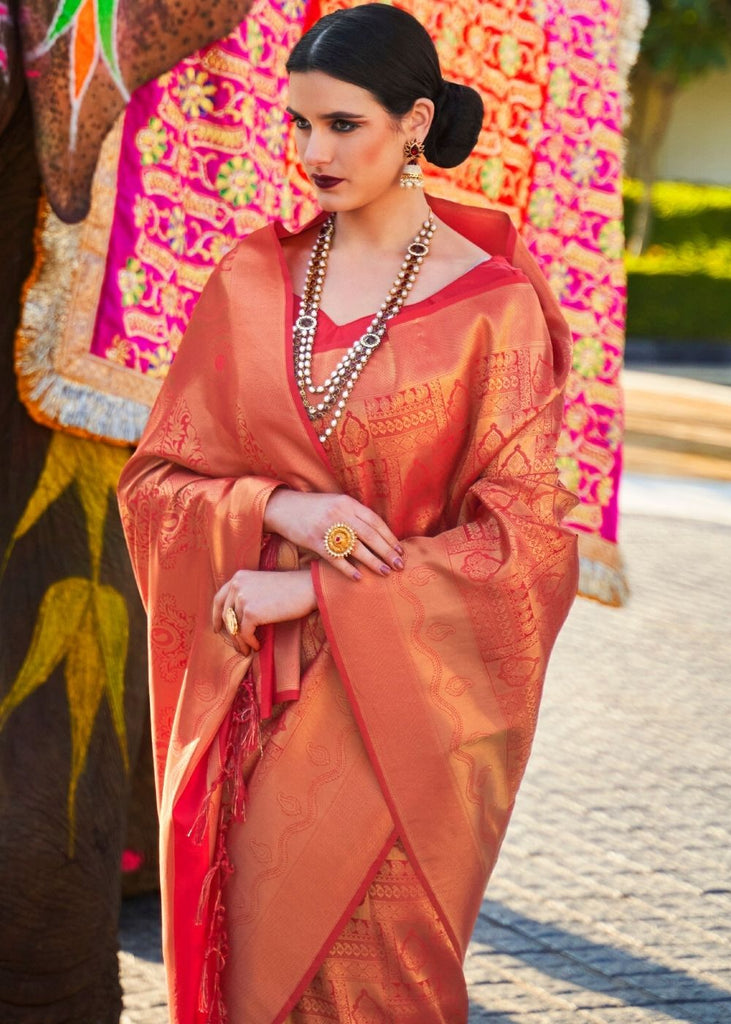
(336, 115)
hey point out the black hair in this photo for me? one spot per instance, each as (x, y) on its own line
(388, 52)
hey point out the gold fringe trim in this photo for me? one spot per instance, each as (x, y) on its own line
(602, 575)
(62, 384)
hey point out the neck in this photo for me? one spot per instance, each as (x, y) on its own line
(385, 225)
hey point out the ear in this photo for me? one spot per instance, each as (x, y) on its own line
(417, 122)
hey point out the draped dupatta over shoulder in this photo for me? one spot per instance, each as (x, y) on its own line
(413, 698)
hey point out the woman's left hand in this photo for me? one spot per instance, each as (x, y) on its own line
(258, 598)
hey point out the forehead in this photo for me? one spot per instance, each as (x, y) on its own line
(315, 93)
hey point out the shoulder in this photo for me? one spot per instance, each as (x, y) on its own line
(249, 249)
(490, 230)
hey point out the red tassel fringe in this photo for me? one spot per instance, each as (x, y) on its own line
(244, 739)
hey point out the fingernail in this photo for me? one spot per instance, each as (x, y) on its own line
(399, 549)
(398, 563)
(357, 575)
(385, 570)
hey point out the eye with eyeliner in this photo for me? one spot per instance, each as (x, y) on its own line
(343, 127)
(338, 124)
(298, 122)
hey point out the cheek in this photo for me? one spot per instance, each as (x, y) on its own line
(377, 154)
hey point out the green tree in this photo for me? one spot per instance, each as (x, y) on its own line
(684, 39)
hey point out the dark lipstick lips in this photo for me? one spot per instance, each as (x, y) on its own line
(323, 181)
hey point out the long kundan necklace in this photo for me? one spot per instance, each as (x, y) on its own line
(332, 394)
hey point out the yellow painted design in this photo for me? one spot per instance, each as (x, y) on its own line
(80, 621)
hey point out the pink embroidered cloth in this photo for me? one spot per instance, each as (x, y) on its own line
(203, 156)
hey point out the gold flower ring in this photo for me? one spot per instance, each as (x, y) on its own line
(230, 621)
(340, 540)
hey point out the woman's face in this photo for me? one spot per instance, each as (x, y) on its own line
(350, 146)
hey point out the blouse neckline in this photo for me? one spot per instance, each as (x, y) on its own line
(466, 284)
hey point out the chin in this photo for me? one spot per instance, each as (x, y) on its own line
(347, 201)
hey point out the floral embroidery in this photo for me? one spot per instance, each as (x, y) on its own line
(132, 282)
(588, 357)
(158, 361)
(509, 55)
(152, 142)
(559, 87)
(491, 177)
(583, 164)
(176, 230)
(237, 181)
(542, 207)
(195, 92)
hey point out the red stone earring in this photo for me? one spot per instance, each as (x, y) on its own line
(411, 176)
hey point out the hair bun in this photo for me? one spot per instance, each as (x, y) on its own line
(458, 114)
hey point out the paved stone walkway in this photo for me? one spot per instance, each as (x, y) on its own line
(611, 903)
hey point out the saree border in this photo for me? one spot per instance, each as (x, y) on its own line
(321, 956)
(375, 763)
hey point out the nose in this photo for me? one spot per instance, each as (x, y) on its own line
(318, 149)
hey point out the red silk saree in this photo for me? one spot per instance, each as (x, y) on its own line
(396, 720)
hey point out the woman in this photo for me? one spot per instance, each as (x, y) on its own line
(345, 526)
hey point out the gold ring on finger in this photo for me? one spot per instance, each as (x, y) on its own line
(230, 621)
(340, 540)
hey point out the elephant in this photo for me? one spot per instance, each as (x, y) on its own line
(73, 700)
(77, 799)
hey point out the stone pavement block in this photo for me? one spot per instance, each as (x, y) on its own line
(637, 1015)
(508, 997)
(672, 985)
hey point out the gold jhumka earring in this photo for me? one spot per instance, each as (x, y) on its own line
(411, 176)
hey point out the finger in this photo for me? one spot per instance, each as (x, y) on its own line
(371, 525)
(217, 608)
(247, 625)
(343, 565)
(381, 548)
(370, 560)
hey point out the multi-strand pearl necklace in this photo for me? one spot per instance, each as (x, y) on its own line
(332, 394)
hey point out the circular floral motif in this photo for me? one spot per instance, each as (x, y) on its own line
(254, 42)
(575, 417)
(568, 472)
(559, 86)
(152, 141)
(237, 181)
(220, 245)
(603, 46)
(159, 361)
(119, 350)
(588, 357)
(542, 207)
(491, 177)
(132, 282)
(558, 278)
(170, 300)
(583, 163)
(274, 132)
(509, 55)
(194, 92)
(175, 233)
(611, 239)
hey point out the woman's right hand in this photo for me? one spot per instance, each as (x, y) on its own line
(303, 518)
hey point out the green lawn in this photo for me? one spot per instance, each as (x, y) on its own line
(680, 288)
